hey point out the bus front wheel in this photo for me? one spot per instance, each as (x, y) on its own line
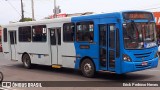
(26, 61)
(87, 68)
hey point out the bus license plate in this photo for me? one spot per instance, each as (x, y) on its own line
(144, 63)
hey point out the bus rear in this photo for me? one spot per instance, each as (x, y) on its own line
(139, 39)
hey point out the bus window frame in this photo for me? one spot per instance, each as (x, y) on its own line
(42, 31)
(5, 36)
(84, 22)
(73, 32)
(23, 34)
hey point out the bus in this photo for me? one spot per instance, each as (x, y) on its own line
(119, 42)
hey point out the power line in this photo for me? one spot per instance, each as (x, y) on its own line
(29, 13)
(0, 1)
(13, 7)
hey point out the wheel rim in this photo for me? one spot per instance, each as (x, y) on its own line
(26, 61)
(87, 68)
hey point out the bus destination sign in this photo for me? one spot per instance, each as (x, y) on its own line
(137, 15)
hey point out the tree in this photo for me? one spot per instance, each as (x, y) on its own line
(25, 19)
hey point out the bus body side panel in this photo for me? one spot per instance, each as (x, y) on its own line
(66, 51)
(93, 50)
(68, 55)
(13, 46)
(39, 54)
(81, 54)
(10, 50)
(6, 46)
(38, 51)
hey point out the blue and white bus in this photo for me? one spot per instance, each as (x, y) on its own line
(119, 42)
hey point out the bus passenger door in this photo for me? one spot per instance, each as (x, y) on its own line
(103, 45)
(13, 42)
(108, 46)
(55, 39)
(113, 48)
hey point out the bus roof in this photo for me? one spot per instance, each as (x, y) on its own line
(103, 15)
(40, 22)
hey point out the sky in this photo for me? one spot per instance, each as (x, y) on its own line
(10, 10)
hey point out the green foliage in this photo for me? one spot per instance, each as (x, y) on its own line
(25, 19)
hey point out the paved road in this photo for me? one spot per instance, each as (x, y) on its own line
(14, 71)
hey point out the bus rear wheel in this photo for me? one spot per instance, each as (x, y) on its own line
(87, 68)
(1, 77)
(26, 61)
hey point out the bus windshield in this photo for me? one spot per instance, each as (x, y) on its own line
(139, 35)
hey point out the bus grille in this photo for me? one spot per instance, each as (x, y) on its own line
(144, 55)
(141, 66)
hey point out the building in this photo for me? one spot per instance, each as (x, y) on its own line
(157, 18)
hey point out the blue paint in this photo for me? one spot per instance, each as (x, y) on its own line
(121, 66)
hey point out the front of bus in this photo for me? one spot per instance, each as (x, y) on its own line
(139, 42)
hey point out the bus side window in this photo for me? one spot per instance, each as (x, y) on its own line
(112, 36)
(59, 35)
(68, 32)
(5, 34)
(39, 33)
(53, 37)
(102, 39)
(24, 34)
(85, 31)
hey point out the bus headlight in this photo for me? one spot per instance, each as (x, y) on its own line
(126, 58)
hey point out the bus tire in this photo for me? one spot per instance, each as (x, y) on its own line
(26, 61)
(88, 68)
(1, 77)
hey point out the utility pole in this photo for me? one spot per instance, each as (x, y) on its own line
(56, 9)
(22, 10)
(32, 10)
(55, 12)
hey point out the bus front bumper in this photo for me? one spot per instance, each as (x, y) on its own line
(137, 66)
